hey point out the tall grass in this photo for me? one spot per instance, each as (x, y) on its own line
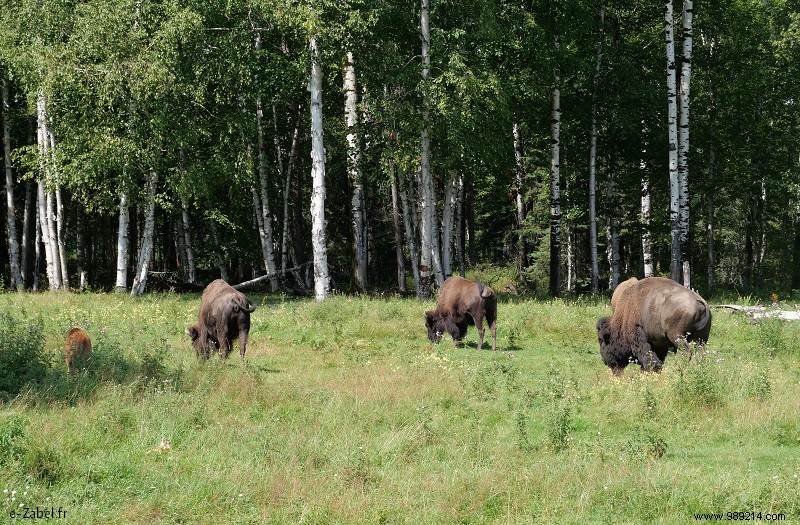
(342, 412)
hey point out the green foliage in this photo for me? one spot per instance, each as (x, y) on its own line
(12, 434)
(22, 358)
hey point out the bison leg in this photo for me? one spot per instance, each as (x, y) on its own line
(456, 331)
(243, 332)
(643, 351)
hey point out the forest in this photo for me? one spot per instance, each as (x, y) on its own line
(358, 146)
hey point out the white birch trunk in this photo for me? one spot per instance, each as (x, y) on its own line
(571, 274)
(46, 219)
(672, 123)
(460, 227)
(146, 248)
(555, 185)
(80, 249)
(448, 213)
(519, 181)
(37, 247)
(28, 221)
(318, 237)
(428, 229)
(187, 239)
(11, 224)
(123, 242)
(357, 207)
(683, 138)
(593, 158)
(60, 235)
(645, 210)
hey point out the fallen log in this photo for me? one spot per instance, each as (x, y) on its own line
(761, 312)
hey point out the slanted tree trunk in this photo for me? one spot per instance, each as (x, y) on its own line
(123, 242)
(555, 182)
(676, 269)
(357, 207)
(146, 248)
(80, 248)
(265, 218)
(11, 223)
(60, 236)
(318, 237)
(286, 234)
(593, 157)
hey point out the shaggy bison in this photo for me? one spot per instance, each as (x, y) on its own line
(77, 348)
(649, 318)
(224, 316)
(462, 303)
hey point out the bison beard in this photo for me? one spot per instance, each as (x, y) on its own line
(462, 303)
(77, 348)
(650, 318)
(224, 317)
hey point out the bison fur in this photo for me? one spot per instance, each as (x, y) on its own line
(462, 303)
(77, 348)
(224, 317)
(651, 317)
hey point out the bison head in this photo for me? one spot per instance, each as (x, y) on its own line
(435, 326)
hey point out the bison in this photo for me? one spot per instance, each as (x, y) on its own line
(224, 317)
(462, 303)
(77, 348)
(650, 318)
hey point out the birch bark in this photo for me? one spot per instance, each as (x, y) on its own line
(519, 181)
(146, 249)
(123, 242)
(683, 139)
(11, 224)
(357, 207)
(555, 183)
(428, 223)
(672, 124)
(593, 158)
(318, 238)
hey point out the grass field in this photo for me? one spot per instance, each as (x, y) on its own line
(342, 412)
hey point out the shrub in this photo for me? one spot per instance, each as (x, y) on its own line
(22, 357)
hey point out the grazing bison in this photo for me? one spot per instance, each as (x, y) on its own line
(462, 303)
(649, 318)
(224, 316)
(77, 348)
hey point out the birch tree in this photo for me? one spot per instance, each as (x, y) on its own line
(11, 226)
(555, 180)
(357, 207)
(672, 124)
(45, 202)
(428, 201)
(645, 209)
(318, 237)
(593, 157)
(683, 138)
(519, 200)
(146, 248)
(123, 220)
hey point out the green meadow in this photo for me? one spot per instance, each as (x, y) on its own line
(342, 412)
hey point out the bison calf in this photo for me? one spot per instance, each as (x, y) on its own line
(224, 317)
(77, 348)
(462, 303)
(650, 318)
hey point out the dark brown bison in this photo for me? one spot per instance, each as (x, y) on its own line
(77, 348)
(649, 318)
(224, 317)
(462, 303)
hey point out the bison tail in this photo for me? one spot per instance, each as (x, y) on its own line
(249, 306)
(702, 324)
(483, 291)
